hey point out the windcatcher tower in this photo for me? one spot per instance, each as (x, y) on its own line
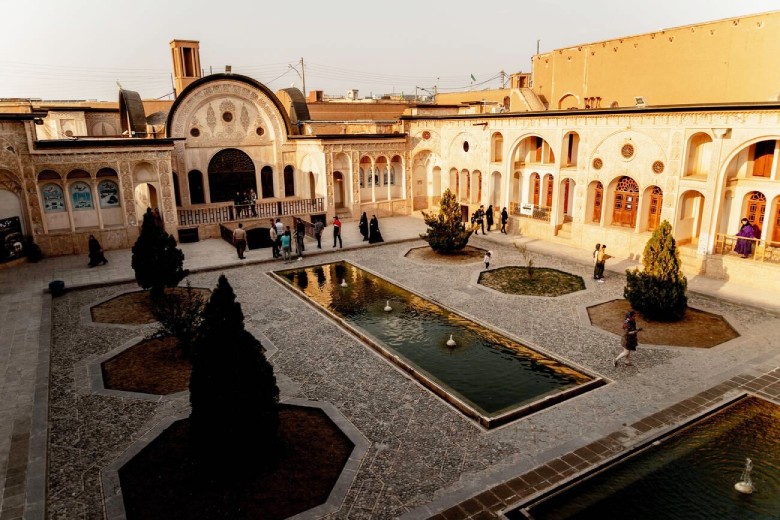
(186, 63)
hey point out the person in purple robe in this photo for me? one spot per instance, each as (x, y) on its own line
(745, 247)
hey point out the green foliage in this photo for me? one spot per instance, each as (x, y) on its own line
(233, 392)
(658, 292)
(446, 233)
(157, 262)
(180, 316)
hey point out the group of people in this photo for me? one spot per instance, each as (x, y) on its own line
(369, 230)
(282, 238)
(245, 204)
(483, 217)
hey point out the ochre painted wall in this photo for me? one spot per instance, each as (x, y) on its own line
(729, 60)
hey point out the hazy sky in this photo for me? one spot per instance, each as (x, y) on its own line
(78, 49)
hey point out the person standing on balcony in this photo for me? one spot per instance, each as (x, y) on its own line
(253, 202)
(236, 207)
(337, 231)
(504, 220)
(746, 231)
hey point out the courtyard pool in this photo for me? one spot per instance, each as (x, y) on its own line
(689, 474)
(486, 375)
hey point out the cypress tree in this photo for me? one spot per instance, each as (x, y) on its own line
(233, 393)
(156, 260)
(658, 292)
(446, 233)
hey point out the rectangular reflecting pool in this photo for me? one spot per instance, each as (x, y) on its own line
(486, 375)
(689, 474)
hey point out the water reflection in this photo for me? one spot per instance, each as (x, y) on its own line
(491, 372)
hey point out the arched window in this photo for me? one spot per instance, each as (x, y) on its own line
(289, 181)
(361, 175)
(392, 176)
(498, 147)
(81, 196)
(53, 198)
(654, 208)
(108, 193)
(756, 209)
(195, 179)
(598, 198)
(385, 176)
(230, 171)
(624, 208)
(267, 182)
(176, 190)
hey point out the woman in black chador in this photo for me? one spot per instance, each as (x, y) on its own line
(374, 234)
(95, 252)
(363, 226)
(489, 217)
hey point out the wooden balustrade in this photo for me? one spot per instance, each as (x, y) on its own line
(759, 251)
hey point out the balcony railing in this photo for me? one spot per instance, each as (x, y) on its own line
(226, 212)
(756, 249)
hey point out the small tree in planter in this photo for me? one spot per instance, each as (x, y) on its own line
(233, 393)
(157, 262)
(528, 258)
(180, 315)
(658, 292)
(446, 233)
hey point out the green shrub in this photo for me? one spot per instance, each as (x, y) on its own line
(180, 316)
(156, 260)
(446, 233)
(658, 292)
(233, 392)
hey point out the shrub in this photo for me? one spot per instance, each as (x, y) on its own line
(528, 258)
(180, 316)
(446, 233)
(233, 392)
(157, 262)
(658, 292)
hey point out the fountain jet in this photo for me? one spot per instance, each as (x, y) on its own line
(745, 485)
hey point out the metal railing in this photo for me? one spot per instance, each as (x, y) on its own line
(749, 248)
(226, 212)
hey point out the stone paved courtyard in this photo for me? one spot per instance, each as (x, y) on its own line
(424, 457)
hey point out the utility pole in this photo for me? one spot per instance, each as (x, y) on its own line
(537, 46)
(503, 80)
(303, 77)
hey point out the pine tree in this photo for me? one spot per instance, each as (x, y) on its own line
(233, 392)
(446, 233)
(658, 292)
(157, 262)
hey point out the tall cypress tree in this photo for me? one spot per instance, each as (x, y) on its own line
(233, 392)
(658, 292)
(446, 233)
(156, 260)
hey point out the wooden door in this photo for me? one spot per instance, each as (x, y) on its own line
(598, 197)
(537, 185)
(548, 201)
(656, 202)
(756, 211)
(624, 209)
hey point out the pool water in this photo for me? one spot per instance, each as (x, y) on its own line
(488, 372)
(689, 475)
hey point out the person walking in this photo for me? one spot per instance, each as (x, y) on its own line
(318, 227)
(489, 217)
(239, 240)
(504, 220)
(300, 232)
(596, 262)
(629, 341)
(601, 259)
(374, 235)
(96, 255)
(286, 240)
(363, 226)
(488, 257)
(274, 237)
(337, 231)
(481, 218)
